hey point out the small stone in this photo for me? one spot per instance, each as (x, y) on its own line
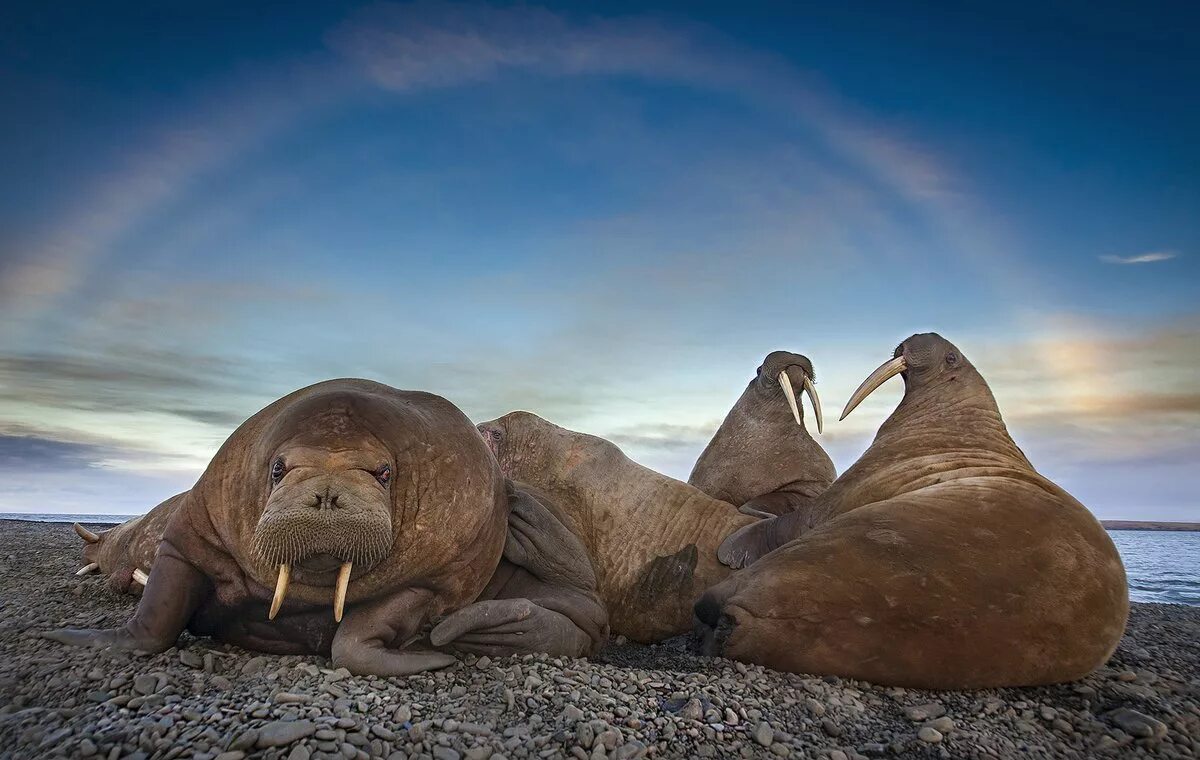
(943, 724)
(445, 753)
(87, 748)
(244, 740)
(929, 734)
(403, 714)
(925, 712)
(191, 659)
(815, 707)
(780, 749)
(234, 754)
(299, 752)
(483, 662)
(288, 698)
(383, 732)
(764, 734)
(146, 684)
(254, 665)
(693, 710)
(282, 732)
(1136, 724)
(572, 714)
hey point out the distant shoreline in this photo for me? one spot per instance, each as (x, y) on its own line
(1149, 525)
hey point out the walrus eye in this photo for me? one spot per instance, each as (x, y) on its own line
(951, 358)
(384, 474)
(277, 470)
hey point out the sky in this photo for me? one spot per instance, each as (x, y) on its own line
(604, 213)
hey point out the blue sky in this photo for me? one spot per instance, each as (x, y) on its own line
(606, 214)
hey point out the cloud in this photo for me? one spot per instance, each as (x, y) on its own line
(1141, 258)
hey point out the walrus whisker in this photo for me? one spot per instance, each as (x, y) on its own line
(140, 576)
(88, 568)
(281, 586)
(811, 390)
(789, 393)
(339, 591)
(882, 374)
(86, 534)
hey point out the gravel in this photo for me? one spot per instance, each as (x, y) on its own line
(207, 700)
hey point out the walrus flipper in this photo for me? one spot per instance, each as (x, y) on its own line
(369, 640)
(174, 591)
(543, 597)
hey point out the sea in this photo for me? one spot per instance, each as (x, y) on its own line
(1162, 565)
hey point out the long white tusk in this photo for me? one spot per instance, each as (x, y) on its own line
(285, 575)
(86, 534)
(339, 591)
(140, 577)
(811, 390)
(888, 369)
(785, 382)
(88, 568)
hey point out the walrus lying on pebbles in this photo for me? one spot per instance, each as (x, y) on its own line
(940, 560)
(762, 459)
(651, 539)
(350, 498)
(125, 553)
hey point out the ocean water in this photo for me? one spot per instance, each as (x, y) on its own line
(1163, 566)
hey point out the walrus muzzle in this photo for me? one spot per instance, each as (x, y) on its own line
(316, 532)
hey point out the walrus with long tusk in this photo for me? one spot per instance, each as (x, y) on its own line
(341, 519)
(651, 539)
(125, 553)
(940, 560)
(762, 458)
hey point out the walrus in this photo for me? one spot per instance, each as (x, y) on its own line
(941, 559)
(652, 540)
(125, 553)
(762, 458)
(340, 519)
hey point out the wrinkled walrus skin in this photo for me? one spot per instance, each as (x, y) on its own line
(651, 539)
(130, 546)
(940, 560)
(394, 490)
(762, 459)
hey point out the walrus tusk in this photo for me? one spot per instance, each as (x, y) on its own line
(785, 382)
(811, 390)
(86, 534)
(88, 568)
(888, 369)
(140, 577)
(339, 591)
(281, 591)
(285, 575)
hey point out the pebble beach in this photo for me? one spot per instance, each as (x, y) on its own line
(205, 700)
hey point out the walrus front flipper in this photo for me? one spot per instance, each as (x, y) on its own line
(173, 593)
(368, 640)
(541, 599)
(775, 504)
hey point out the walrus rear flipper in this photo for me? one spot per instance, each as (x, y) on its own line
(173, 593)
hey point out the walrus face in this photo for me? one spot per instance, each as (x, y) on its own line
(922, 360)
(782, 372)
(328, 512)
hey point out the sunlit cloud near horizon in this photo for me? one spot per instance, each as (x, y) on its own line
(605, 218)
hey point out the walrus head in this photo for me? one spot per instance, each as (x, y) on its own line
(781, 373)
(329, 508)
(928, 363)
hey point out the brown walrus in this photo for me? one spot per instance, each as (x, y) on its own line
(651, 539)
(940, 560)
(384, 505)
(125, 553)
(762, 459)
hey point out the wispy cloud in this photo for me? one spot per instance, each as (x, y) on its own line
(1141, 258)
